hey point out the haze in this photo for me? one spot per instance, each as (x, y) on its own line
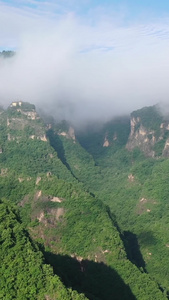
(83, 67)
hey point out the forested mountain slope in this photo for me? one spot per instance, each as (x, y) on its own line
(135, 186)
(23, 273)
(59, 189)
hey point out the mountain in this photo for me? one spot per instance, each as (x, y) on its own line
(135, 186)
(7, 54)
(24, 274)
(79, 195)
(149, 132)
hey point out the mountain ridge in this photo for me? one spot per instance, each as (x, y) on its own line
(62, 192)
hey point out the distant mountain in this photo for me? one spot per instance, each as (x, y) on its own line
(149, 132)
(7, 54)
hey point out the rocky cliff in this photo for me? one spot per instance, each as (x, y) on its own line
(23, 120)
(149, 131)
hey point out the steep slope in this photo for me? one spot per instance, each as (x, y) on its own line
(24, 146)
(23, 272)
(74, 156)
(71, 222)
(149, 132)
(60, 214)
(136, 189)
(80, 226)
(103, 140)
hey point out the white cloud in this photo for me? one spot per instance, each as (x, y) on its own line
(81, 69)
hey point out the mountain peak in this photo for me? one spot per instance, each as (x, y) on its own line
(149, 131)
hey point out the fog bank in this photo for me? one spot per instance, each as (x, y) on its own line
(81, 71)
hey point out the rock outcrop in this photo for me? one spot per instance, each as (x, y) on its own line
(149, 132)
(23, 121)
(141, 137)
(70, 134)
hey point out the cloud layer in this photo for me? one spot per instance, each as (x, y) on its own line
(83, 69)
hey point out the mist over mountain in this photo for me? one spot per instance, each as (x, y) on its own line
(84, 150)
(83, 69)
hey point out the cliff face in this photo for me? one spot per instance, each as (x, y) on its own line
(149, 132)
(141, 137)
(22, 120)
(70, 133)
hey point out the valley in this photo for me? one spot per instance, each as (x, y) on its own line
(92, 204)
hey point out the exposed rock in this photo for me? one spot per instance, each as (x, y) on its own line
(40, 217)
(10, 138)
(56, 199)
(70, 134)
(23, 120)
(130, 177)
(30, 114)
(141, 137)
(38, 179)
(106, 142)
(78, 258)
(4, 172)
(105, 251)
(59, 212)
(143, 200)
(147, 129)
(43, 138)
(142, 205)
(39, 194)
(133, 123)
(142, 131)
(32, 137)
(48, 126)
(14, 104)
(166, 148)
(21, 179)
(53, 215)
(49, 174)
(63, 133)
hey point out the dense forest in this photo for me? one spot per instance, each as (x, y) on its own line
(84, 213)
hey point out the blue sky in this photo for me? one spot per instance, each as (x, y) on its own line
(82, 53)
(133, 7)
(125, 13)
(155, 5)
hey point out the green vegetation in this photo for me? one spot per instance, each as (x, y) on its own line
(23, 272)
(150, 117)
(93, 138)
(132, 186)
(99, 214)
(26, 106)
